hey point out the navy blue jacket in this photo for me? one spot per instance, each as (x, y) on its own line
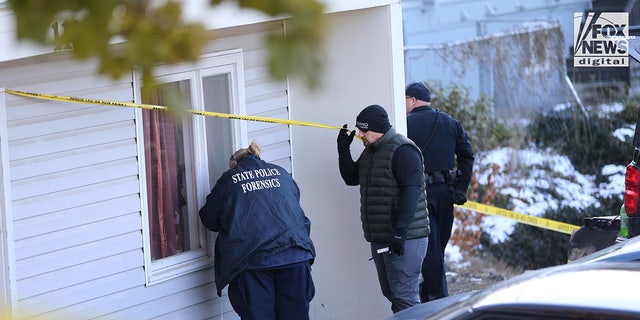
(255, 208)
(450, 145)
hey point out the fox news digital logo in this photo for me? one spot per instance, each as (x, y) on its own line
(601, 39)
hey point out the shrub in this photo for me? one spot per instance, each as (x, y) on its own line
(630, 112)
(583, 136)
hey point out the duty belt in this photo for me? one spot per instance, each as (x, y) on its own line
(448, 177)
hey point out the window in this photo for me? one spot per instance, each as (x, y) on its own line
(167, 175)
(184, 154)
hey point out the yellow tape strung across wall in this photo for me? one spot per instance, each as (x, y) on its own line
(520, 217)
(474, 206)
(156, 107)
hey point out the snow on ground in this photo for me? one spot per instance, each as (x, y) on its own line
(527, 176)
(544, 171)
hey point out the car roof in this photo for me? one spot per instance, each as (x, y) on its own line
(600, 285)
(578, 287)
(603, 287)
(425, 310)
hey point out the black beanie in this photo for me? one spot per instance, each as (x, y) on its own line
(418, 91)
(373, 118)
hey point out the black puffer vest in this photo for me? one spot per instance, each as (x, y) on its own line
(380, 194)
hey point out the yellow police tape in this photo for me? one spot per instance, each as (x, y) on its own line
(156, 107)
(520, 217)
(475, 206)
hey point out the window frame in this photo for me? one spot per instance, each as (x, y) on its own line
(227, 62)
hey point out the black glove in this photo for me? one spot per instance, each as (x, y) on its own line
(396, 245)
(344, 138)
(459, 197)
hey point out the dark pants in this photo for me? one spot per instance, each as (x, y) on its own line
(273, 294)
(440, 200)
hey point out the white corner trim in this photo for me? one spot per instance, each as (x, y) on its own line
(7, 258)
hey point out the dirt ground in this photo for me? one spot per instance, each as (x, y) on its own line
(475, 272)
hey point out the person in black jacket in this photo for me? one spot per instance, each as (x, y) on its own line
(392, 202)
(445, 146)
(263, 250)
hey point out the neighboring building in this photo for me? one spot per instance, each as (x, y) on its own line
(514, 52)
(81, 233)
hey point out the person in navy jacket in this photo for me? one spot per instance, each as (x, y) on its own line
(263, 249)
(448, 166)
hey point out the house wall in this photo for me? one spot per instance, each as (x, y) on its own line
(75, 189)
(8, 38)
(75, 200)
(225, 15)
(360, 71)
(229, 14)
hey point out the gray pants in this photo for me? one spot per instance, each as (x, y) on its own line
(399, 275)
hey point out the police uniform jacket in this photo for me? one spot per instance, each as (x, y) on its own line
(449, 141)
(255, 209)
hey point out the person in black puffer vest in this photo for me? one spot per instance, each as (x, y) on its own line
(393, 207)
(263, 250)
(448, 165)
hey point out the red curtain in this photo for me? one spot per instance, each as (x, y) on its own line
(163, 179)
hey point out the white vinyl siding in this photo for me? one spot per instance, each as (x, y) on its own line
(267, 99)
(74, 187)
(76, 203)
